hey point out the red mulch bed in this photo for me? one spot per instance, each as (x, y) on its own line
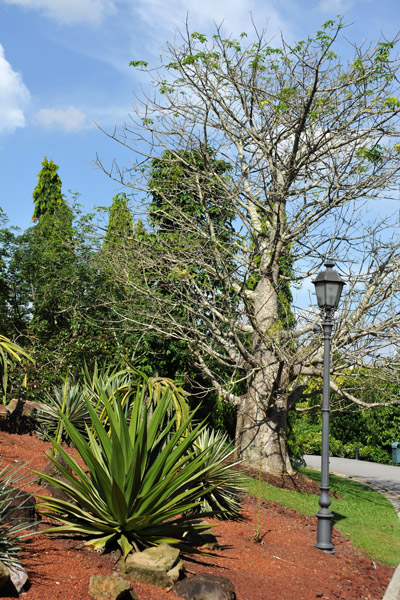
(284, 566)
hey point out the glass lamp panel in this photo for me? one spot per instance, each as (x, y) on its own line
(339, 293)
(331, 293)
(320, 291)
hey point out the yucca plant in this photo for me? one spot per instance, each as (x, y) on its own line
(12, 530)
(141, 480)
(223, 482)
(66, 400)
(9, 350)
(103, 384)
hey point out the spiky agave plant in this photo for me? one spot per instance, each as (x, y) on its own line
(12, 529)
(141, 480)
(220, 478)
(107, 383)
(66, 400)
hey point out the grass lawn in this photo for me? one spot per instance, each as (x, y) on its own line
(365, 516)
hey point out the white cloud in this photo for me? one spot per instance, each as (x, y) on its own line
(235, 15)
(70, 119)
(67, 12)
(334, 7)
(14, 96)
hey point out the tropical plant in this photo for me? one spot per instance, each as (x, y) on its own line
(106, 383)
(67, 400)
(9, 349)
(12, 529)
(141, 482)
(225, 482)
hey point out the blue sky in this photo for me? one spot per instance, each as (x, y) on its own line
(64, 65)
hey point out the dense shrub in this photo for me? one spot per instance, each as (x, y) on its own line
(142, 479)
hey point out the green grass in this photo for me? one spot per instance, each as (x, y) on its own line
(363, 515)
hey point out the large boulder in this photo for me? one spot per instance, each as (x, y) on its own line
(28, 407)
(205, 586)
(159, 565)
(111, 587)
(21, 415)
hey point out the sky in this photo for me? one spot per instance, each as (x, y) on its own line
(65, 75)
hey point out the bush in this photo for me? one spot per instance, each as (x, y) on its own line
(68, 401)
(142, 481)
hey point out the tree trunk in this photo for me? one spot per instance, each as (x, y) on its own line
(261, 429)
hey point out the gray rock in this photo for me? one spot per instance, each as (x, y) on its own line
(111, 587)
(158, 566)
(18, 576)
(205, 586)
(4, 575)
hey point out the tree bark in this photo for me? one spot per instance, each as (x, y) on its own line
(261, 429)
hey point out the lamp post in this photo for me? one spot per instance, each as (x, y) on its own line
(328, 287)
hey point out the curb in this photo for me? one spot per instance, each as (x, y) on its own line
(393, 589)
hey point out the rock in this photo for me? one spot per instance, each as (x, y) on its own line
(4, 576)
(18, 576)
(21, 415)
(205, 586)
(159, 565)
(111, 587)
(29, 407)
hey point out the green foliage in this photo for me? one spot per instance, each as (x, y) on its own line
(12, 530)
(138, 63)
(140, 482)
(122, 385)
(220, 415)
(120, 223)
(182, 191)
(371, 429)
(66, 400)
(224, 482)
(9, 351)
(47, 193)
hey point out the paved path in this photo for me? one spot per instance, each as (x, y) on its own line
(385, 477)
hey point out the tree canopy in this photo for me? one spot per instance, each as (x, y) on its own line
(311, 139)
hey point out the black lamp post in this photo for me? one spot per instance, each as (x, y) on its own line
(328, 287)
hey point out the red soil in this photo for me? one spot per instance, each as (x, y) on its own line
(284, 566)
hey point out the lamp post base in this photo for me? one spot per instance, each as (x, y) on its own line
(324, 531)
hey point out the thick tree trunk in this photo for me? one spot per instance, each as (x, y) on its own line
(261, 435)
(262, 414)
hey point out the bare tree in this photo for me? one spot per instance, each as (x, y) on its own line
(311, 141)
